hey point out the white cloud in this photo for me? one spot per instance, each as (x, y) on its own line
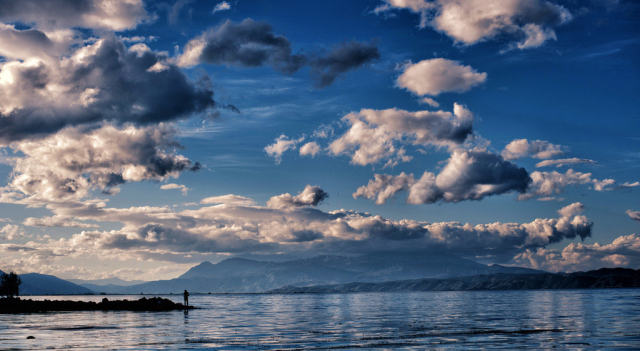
(56, 221)
(137, 39)
(311, 148)
(535, 36)
(430, 102)
(624, 251)
(436, 76)
(384, 186)
(32, 43)
(310, 196)
(323, 132)
(281, 145)
(234, 229)
(222, 6)
(468, 175)
(422, 7)
(39, 97)
(635, 215)
(541, 149)
(66, 166)
(11, 232)
(547, 184)
(288, 224)
(116, 15)
(229, 199)
(170, 186)
(564, 162)
(379, 135)
(467, 22)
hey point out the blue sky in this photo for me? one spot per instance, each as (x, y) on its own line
(120, 122)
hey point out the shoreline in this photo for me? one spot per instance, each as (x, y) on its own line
(154, 304)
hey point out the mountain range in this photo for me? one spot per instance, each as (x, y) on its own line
(240, 275)
(381, 272)
(601, 278)
(43, 284)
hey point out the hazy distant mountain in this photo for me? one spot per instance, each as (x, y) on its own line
(602, 278)
(109, 286)
(42, 284)
(247, 276)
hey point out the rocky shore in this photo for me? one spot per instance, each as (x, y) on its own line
(154, 304)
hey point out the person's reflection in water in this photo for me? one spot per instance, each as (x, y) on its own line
(186, 298)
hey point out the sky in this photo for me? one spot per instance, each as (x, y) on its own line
(139, 138)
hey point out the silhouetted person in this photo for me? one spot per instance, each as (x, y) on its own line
(186, 298)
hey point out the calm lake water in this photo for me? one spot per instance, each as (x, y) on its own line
(561, 319)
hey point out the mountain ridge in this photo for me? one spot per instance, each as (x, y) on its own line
(601, 278)
(242, 275)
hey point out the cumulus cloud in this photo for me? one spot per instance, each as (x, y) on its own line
(11, 232)
(376, 135)
(229, 199)
(311, 148)
(67, 165)
(624, 251)
(547, 184)
(168, 236)
(564, 162)
(280, 146)
(541, 149)
(115, 15)
(254, 44)
(28, 43)
(529, 22)
(384, 186)
(103, 81)
(635, 215)
(310, 196)
(221, 6)
(56, 221)
(170, 186)
(436, 76)
(468, 175)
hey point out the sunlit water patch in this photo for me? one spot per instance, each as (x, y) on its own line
(561, 319)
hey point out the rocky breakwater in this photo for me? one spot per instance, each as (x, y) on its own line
(154, 304)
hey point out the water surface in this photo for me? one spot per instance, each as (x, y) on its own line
(561, 319)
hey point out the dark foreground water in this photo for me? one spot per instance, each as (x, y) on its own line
(561, 319)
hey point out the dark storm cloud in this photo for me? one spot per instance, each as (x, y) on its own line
(246, 44)
(342, 58)
(254, 44)
(101, 82)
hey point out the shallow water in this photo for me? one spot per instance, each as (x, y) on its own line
(562, 319)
